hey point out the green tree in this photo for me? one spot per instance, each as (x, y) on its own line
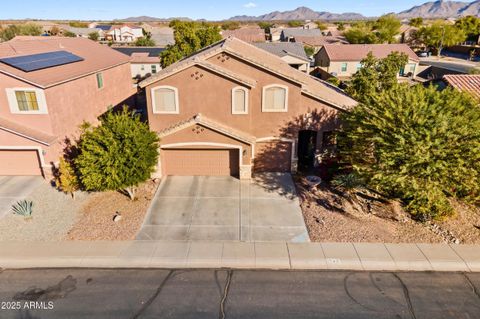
(67, 180)
(441, 34)
(117, 155)
(418, 144)
(309, 51)
(190, 36)
(69, 34)
(230, 25)
(265, 26)
(386, 28)
(416, 22)
(294, 23)
(144, 42)
(361, 33)
(470, 26)
(13, 30)
(93, 36)
(376, 75)
(322, 26)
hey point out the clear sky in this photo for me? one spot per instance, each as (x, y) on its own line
(207, 9)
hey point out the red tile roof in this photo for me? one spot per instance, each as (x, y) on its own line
(357, 52)
(465, 82)
(96, 57)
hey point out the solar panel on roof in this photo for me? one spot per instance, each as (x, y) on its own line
(33, 62)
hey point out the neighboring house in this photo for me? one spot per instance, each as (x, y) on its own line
(406, 34)
(275, 34)
(124, 34)
(144, 61)
(85, 32)
(48, 87)
(318, 42)
(291, 34)
(292, 53)
(342, 61)
(47, 26)
(234, 109)
(310, 25)
(162, 36)
(469, 83)
(247, 34)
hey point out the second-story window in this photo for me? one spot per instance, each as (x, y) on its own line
(154, 69)
(26, 101)
(239, 100)
(344, 67)
(99, 80)
(165, 100)
(275, 98)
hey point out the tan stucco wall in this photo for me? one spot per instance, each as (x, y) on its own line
(210, 95)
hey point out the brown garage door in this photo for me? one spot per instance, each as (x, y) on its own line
(19, 162)
(273, 157)
(216, 162)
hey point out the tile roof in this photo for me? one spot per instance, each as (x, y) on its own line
(357, 52)
(96, 57)
(246, 34)
(465, 82)
(26, 132)
(143, 57)
(282, 49)
(310, 85)
(321, 40)
(202, 120)
(300, 32)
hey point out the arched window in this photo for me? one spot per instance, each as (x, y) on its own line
(239, 100)
(275, 98)
(165, 100)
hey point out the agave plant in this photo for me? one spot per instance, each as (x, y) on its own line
(23, 208)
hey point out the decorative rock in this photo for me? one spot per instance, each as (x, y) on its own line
(117, 217)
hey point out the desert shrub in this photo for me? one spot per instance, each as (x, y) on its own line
(67, 180)
(118, 154)
(418, 144)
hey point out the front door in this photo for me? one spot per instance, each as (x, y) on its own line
(307, 143)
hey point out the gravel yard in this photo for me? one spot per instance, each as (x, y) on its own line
(95, 220)
(332, 216)
(54, 213)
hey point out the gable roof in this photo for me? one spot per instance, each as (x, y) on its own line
(310, 85)
(465, 82)
(300, 32)
(321, 40)
(96, 57)
(357, 52)
(282, 49)
(247, 34)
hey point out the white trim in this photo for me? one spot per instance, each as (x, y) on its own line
(286, 98)
(13, 104)
(154, 107)
(29, 148)
(239, 147)
(241, 88)
(24, 136)
(281, 139)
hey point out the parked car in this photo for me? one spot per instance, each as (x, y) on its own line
(422, 54)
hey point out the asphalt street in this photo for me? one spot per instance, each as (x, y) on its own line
(155, 293)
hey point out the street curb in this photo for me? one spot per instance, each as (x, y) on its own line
(240, 255)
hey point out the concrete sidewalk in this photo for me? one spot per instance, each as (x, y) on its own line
(252, 255)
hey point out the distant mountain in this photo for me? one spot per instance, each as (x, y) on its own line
(301, 13)
(151, 19)
(442, 9)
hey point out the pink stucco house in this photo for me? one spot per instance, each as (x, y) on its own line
(235, 109)
(48, 87)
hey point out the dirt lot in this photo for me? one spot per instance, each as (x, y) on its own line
(333, 216)
(95, 221)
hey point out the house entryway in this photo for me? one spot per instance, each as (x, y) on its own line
(307, 142)
(225, 208)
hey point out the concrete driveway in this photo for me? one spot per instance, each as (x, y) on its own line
(225, 208)
(15, 188)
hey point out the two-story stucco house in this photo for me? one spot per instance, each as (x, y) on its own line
(235, 109)
(344, 60)
(48, 87)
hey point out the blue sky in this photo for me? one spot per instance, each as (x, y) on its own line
(208, 9)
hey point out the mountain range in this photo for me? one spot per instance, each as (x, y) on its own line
(434, 9)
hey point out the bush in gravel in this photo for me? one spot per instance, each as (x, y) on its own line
(117, 155)
(418, 144)
(348, 182)
(67, 179)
